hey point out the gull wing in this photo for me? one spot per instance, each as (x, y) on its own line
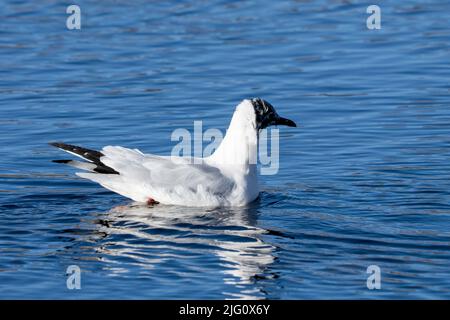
(170, 180)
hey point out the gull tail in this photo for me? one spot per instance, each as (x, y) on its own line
(93, 164)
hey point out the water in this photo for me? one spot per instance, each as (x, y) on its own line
(364, 181)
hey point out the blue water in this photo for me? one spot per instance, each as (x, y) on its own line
(364, 180)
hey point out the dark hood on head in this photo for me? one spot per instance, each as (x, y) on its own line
(267, 116)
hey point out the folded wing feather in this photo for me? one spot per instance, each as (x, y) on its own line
(144, 176)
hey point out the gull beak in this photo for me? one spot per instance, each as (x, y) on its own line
(285, 122)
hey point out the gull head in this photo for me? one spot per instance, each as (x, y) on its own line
(267, 116)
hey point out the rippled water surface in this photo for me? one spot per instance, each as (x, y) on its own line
(365, 179)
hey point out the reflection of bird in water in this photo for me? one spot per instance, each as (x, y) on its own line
(153, 234)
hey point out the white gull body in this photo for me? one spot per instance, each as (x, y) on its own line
(226, 178)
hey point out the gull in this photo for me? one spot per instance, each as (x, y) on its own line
(228, 177)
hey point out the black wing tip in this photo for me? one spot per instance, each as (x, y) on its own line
(90, 155)
(101, 168)
(57, 144)
(62, 161)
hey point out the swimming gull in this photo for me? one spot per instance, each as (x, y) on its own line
(228, 177)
